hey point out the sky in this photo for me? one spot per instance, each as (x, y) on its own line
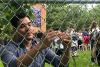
(90, 6)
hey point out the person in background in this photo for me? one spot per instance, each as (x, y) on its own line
(94, 31)
(86, 39)
(80, 42)
(74, 46)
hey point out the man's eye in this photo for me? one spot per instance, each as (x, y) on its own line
(30, 24)
(22, 26)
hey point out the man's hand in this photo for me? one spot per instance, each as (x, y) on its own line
(66, 39)
(47, 39)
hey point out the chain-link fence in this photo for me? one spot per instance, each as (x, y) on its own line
(49, 33)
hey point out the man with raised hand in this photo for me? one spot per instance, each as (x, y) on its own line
(23, 51)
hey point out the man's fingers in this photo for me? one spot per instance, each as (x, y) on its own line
(51, 35)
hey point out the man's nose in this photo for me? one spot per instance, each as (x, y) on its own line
(27, 27)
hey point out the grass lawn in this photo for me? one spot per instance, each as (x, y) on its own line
(1, 65)
(83, 60)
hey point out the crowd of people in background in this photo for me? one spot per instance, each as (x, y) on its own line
(83, 40)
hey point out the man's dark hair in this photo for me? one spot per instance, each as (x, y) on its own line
(16, 18)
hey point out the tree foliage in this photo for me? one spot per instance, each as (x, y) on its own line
(75, 16)
(62, 16)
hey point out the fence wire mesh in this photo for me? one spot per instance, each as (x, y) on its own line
(53, 34)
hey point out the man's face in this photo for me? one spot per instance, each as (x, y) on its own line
(26, 29)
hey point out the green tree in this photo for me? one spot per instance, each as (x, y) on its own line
(64, 16)
(95, 14)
